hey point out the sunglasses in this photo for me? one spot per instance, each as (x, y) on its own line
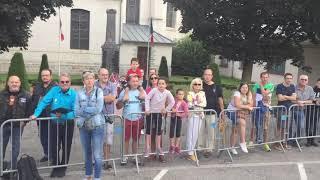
(64, 82)
(304, 79)
(153, 78)
(197, 84)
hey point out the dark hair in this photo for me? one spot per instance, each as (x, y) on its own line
(134, 59)
(164, 79)
(47, 69)
(153, 75)
(318, 79)
(178, 90)
(287, 74)
(208, 69)
(264, 73)
(242, 84)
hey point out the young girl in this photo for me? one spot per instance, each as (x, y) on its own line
(242, 103)
(196, 101)
(158, 102)
(179, 111)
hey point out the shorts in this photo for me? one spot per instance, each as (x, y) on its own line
(234, 116)
(154, 121)
(109, 134)
(132, 129)
(175, 127)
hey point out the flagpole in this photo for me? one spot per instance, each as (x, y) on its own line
(59, 39)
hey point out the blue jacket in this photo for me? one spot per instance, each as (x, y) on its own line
(56, 98)
(89, 108)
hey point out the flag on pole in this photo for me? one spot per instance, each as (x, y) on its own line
(60, 28)
(151, 34)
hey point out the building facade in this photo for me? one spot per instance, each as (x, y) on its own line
(92, 24)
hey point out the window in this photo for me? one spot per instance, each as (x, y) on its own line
(133, 11)
(224, 62)
(80, 28)
(279, 68)
(171, 16)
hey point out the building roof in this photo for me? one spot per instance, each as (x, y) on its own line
(141, 33)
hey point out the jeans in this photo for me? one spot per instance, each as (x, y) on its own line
(298, 119)
(15, 140)
(92, 142)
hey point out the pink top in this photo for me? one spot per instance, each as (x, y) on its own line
(148, 89)
(182, 107)
(156, 101)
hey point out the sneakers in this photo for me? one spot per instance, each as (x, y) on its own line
(162, 159)
(250, 144)
(266, 148)
(243, 147)
(160, 152)
(146, 153)
(107, 166)
(124, 161)
(234, 151)
(192, 158)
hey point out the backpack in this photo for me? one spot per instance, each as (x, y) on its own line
(27, 168)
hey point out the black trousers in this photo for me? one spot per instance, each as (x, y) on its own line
(312, 118)
(61, 135)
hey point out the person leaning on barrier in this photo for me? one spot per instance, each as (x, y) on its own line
(39, 91)
(305, 97)
(109, 95)
(214, 96)
(14, 104)
(196, 101)
(316, 90)
(241, 103)
(61, 100)
(285, 95)
(130, 99)
(91, 123)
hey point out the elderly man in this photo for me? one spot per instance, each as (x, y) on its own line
(301, 113)
(39, 91)
(14, 104)
(109, 95)
(61, 100)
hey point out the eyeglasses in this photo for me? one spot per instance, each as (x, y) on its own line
(153, 78)
(304, 79)
(64, 82)
(197, 84)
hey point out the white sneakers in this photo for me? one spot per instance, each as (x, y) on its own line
(243, 147)
(234, 151)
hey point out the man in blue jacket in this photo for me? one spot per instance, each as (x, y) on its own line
(61, 100)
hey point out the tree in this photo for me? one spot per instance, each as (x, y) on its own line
(16, 18)
(18, 68)
(163, 69)
(253, 31)
(189, 57)
(44, 65)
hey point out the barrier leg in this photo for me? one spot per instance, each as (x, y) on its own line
(137, 164)
(197, 162)
(298, 145)
(114, 168)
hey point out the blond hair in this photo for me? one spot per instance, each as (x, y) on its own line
(196, 80)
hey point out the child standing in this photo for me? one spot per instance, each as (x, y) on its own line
(196, 101)
(179, 111)
(158, 102)
(134, 68)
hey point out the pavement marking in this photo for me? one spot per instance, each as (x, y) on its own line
(161, 174)
(302, 172)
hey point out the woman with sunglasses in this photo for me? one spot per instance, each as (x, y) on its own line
(197, 101)
(153, 82)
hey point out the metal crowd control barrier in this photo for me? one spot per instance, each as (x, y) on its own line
(28, 144)
(260, 126)
(303, 123)
(155, 129)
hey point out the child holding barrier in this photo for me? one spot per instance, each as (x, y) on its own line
(196, 101)
(158, 102)
(179, 112)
